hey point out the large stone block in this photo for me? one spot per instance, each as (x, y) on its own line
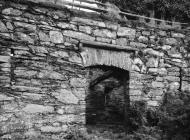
(156, 84)
(78, 35)
(52, 129)
(78, 82)
(104, 33)
(152, 103)
(66, 96)
(105, 40)
(3, 28)
(44, 37)
(122, 41)
(51, 75)
(172, 78)
(186, 86)
(171, 41)
(56, 37)
(30, 27)
(35, 108)
(85, 29)
(67, 26)
(152, 62)
(138, 45)
(11, 11)
(178, 35)
(143, 39)
(153, 52)
(25, 37)
(174, 86)
(5, 97)
(128, 32)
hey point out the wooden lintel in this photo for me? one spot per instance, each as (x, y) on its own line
(107, 46)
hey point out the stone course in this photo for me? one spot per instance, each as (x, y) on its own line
(42, 77)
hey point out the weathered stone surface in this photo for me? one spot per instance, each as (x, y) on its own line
(66, 96)
(162, 33)
(122, 41)
(26, 88)
(51, 129)
(157, 84)
(138, 61)
(112, 26)
(4, 59)
(136, 92)
(25, 25)
(67, 26)
(147, 33)
(78, 35)
(78, 82)
(153, 103)
(25, 73)
(51, 75)
(138, 45)
(85, 29)
(175, 55)
(105, 40)
(38, 49)
(76, 58)
(44, 37)
(25, 37)
(174, 86)
(153, 52)
(104, 33)
(166, 47)
(35, 108)
(3, 28)
(128, 32)
(156, 92)
(5, 98)
(9, 26)
(178, 35)
(11, 11)
(152, 62)
(171, 41)
(32, 96)
(69, 118)
(56, 37)
(185, 86)
(89, 22)
(60, 54)
(143, 39)
(172, 78)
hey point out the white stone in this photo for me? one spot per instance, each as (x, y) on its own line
(35, 108)
(66, 96)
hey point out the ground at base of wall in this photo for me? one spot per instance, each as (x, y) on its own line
(115, 132)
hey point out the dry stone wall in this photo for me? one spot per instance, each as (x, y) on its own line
(42, 77)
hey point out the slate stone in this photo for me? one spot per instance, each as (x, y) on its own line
(56, 37)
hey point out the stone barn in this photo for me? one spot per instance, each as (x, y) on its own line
(61, 68)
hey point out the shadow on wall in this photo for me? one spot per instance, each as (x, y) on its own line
(105, 101)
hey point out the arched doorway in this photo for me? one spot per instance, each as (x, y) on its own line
(107, 98)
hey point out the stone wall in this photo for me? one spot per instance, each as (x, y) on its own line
(42, 77)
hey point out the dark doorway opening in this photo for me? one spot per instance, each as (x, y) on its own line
(107, 99)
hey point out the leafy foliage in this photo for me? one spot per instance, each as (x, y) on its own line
(178, 10)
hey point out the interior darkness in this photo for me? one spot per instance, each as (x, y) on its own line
(105, 97)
